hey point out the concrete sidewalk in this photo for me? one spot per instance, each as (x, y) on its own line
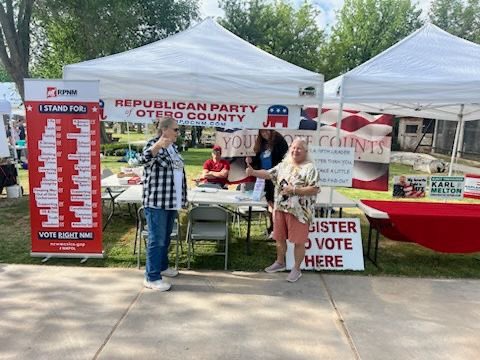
(49, 312)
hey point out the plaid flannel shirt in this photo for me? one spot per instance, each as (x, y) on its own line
(158, 179)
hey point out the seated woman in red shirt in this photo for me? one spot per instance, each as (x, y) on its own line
(215, 170)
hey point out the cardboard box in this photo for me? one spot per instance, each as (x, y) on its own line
(135, 180)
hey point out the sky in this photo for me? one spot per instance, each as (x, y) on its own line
(326, 18)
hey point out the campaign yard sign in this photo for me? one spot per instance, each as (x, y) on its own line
(472, 186)
(409, 186)
(447, 187)
(333, 244)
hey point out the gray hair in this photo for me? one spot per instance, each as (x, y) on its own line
(303, 142)
(163, 123)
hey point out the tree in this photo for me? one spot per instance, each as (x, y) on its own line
(71, 31)
(365, 28)
(15, 18)
(4, 77)
(458, 17)
(278, 28)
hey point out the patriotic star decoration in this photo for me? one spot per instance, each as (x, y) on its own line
(277, 109)
(29, 108)
(94, 109)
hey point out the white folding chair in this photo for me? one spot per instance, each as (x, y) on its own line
(208, 223)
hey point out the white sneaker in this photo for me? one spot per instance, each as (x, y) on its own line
(159, 285)
(169, 272)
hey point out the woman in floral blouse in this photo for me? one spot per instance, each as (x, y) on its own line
(297, 183)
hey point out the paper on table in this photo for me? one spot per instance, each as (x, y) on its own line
(242, 197)
(205, 190)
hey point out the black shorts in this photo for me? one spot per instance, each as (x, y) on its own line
(269, 190)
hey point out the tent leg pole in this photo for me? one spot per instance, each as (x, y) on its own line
(455, 142)
(337, 136)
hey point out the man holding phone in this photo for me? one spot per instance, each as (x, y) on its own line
(164, 193)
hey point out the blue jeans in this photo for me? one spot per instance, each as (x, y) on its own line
(160, 225)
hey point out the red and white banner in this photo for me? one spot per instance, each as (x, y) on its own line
(64, 167)
(244, 116)
(369, 135)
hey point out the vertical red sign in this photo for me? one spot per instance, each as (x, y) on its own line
(64, 167)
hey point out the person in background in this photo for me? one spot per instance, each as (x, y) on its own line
(8, 133)
(297, 184)
(215, 170)
(270, 149)
(403, 188)
(16, 135)
(21, 130)
(164, 193)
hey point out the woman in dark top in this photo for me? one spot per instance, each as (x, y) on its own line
(270, 149)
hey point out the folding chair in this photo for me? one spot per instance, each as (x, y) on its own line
(142, 234)
(208, 223)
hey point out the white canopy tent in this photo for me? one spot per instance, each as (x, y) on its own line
(430, 74)
(204, 63)
(9, 92)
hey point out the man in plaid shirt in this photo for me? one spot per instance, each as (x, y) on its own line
(164, 193)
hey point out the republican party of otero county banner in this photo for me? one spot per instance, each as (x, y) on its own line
(64, 167)
(196, 113)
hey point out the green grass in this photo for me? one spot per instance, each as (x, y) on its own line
(395, 258)
(132, 137)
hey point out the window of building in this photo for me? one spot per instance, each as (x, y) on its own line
(440, 127)
(428, 126)
(411, 129)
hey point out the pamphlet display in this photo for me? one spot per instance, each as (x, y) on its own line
(64, 168)
(258, 189)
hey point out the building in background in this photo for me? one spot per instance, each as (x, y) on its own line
(469, 144)
(436, 136)
(414, 134)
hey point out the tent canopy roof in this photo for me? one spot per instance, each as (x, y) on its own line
(5, 107)
(8, 92)
(204, 63)
(430, 73)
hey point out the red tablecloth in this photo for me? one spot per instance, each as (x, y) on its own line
(444, 227)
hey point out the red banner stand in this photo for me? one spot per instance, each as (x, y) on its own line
(63, 140)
